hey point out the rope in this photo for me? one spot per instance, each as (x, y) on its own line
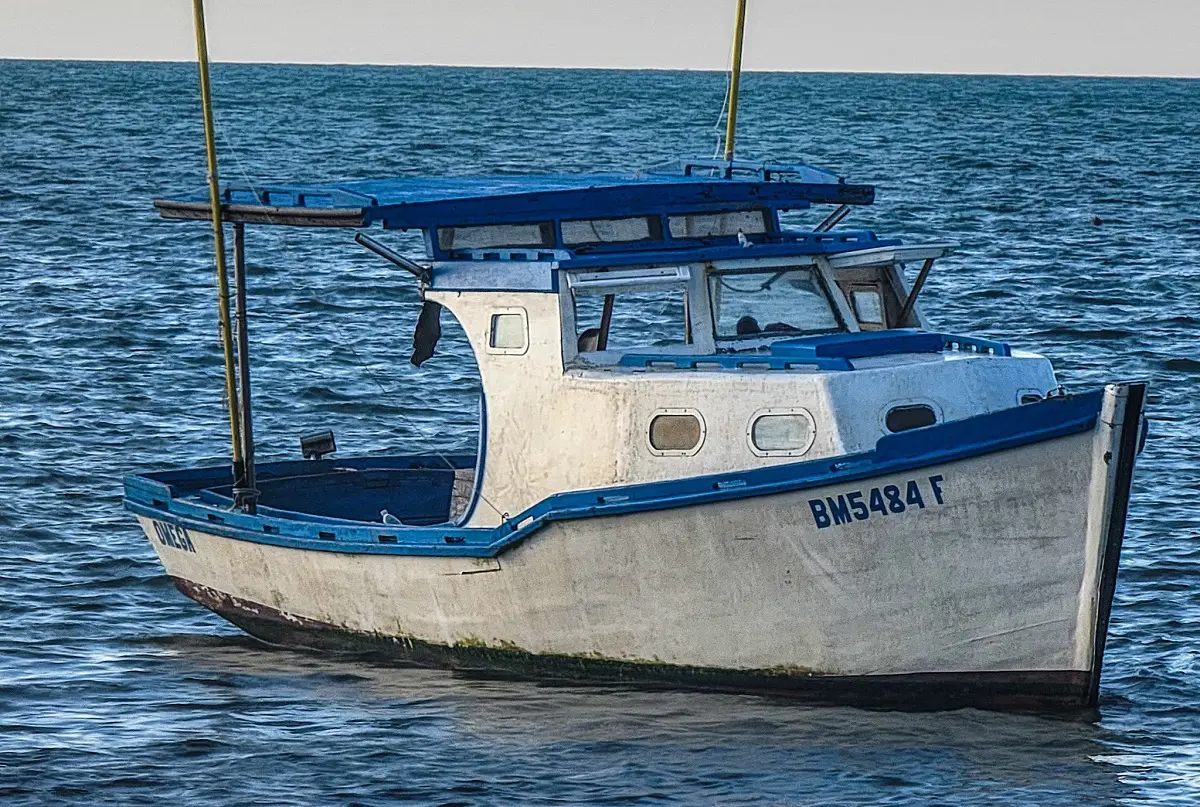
(254, 186)
(718, 128)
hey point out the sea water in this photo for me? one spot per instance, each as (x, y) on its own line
(115, 688)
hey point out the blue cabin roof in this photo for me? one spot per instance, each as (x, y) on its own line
(689, 186)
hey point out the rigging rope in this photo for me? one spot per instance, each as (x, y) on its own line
(719, 127)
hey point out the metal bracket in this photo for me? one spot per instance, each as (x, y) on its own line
(421, 273)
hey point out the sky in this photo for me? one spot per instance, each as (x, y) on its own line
(1056, 37)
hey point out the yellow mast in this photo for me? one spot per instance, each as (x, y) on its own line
(214, 195)
(735, 78)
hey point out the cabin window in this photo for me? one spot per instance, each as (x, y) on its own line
(509, 332)
(770, 302)
(676, 432)
(630, 308)
(634, 321)
(538, 234)
(709, 225)
(910, 416)
(781, 432)
(611, 231)
(868, 307)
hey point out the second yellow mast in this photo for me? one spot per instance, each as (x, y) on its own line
(735, 79)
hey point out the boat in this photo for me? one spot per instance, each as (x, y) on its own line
(808, 490)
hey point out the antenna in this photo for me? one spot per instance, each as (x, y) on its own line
(735, 79)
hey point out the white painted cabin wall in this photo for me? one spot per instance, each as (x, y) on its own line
(544, 435)
(550, 430)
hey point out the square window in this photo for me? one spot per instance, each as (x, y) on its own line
(508, 333)
(537, 234)
(709, 225)
(608, 231)
(867, 306)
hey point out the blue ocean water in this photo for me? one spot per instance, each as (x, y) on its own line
(115, 688)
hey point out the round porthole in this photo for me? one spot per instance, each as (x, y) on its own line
(676, 432)
(781, 432)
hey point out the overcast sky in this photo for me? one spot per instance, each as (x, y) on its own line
(1079, 37)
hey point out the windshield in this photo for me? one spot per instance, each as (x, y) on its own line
(776, 301)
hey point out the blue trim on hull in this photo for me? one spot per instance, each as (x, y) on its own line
(158, 496)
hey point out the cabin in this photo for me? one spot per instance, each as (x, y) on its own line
(659, 326)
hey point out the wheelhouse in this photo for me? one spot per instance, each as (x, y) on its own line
(737, 305)
(655, 326)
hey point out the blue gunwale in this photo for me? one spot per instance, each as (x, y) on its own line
(157, 496)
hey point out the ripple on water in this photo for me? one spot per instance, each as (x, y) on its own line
(114, 688)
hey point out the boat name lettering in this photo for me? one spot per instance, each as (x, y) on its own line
(859, 505)
(171, 535)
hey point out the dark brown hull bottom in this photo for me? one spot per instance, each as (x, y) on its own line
(1038, 691)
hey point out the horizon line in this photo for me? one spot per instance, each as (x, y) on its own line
(627, 69)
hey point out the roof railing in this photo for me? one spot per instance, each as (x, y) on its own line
(761, 170)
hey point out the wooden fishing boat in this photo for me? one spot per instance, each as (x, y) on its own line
(810, 490)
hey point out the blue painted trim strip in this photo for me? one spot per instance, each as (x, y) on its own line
(633, 198)
(734, 361)
(957, 440)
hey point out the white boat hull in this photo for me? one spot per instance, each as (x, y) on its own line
(984, 580)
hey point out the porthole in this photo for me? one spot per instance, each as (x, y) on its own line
(676, 432)
(508, 332)
(910, 416)
(781, 432)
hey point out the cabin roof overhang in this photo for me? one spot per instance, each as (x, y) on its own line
(529, 270)
(422, 203)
